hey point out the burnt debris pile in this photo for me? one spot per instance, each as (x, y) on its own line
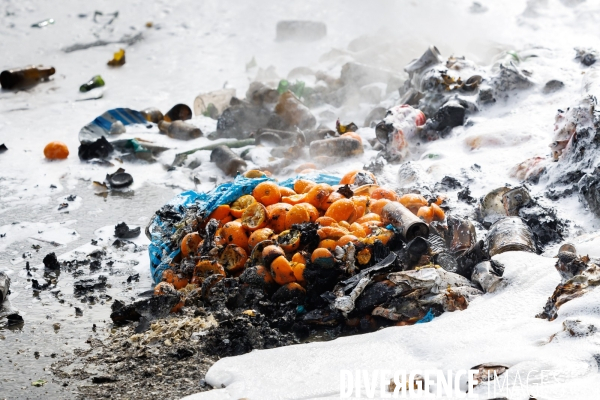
(302, 259)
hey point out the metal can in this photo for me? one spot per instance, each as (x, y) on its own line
(510, 234)
(405, 222)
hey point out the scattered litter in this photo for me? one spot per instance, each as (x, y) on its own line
(56, 151)
(118, 59)
(39, 383)
(93, 83)
(179, 112)
(119, 179)
(179, 130)
(25, 77)
(122, 231)
(44, 23)
(51, 262)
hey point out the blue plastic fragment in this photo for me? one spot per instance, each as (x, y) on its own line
(427, 318)
(160, 251)
(100, 126)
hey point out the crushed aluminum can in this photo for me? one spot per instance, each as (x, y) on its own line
(510, 234)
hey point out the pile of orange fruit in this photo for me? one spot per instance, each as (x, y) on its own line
(259, 230)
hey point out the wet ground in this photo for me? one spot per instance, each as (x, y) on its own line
(52, 329)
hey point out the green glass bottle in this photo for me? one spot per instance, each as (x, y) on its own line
(93, 83)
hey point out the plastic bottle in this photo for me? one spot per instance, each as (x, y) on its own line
(26, 76)
(179, 130)
(93, 83)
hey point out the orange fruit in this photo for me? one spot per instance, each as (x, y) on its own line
(328, 244)
(312, 211)
(190, 243)
(225, 220)
(371, 226)
(344, 224)
(286, 191)
(233, 233)
(361, 203)
(322, 258)
(376, 206)
(294, 199)
(348, 179)
(425, 213)
(298, 214)
(267, 193)
(342, 210)
(326, 221)
(438, 213)
(383, 193)
(289, 240)
(439, 200)
(333, 197)
(363, 256)
(304, 166)
(351, 178)
(413, 202)
(163, 288)
(277, 213)
(352, 135)
(369, 217)
(206, 268)
(318, 194)
(179, 281)
(270, 253)
(301, 184)
(282, 271)
(258, 236)
(233, 258)
(357, 230)
(265, 274)
(384, 235)
(254, 217)
(168, 276)
(331, 232)
(298, 270)
(254, 173)
(220, 213)
(298, 258)
(177, 307)
(346, 239)
(238, 206)
(56, 151)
